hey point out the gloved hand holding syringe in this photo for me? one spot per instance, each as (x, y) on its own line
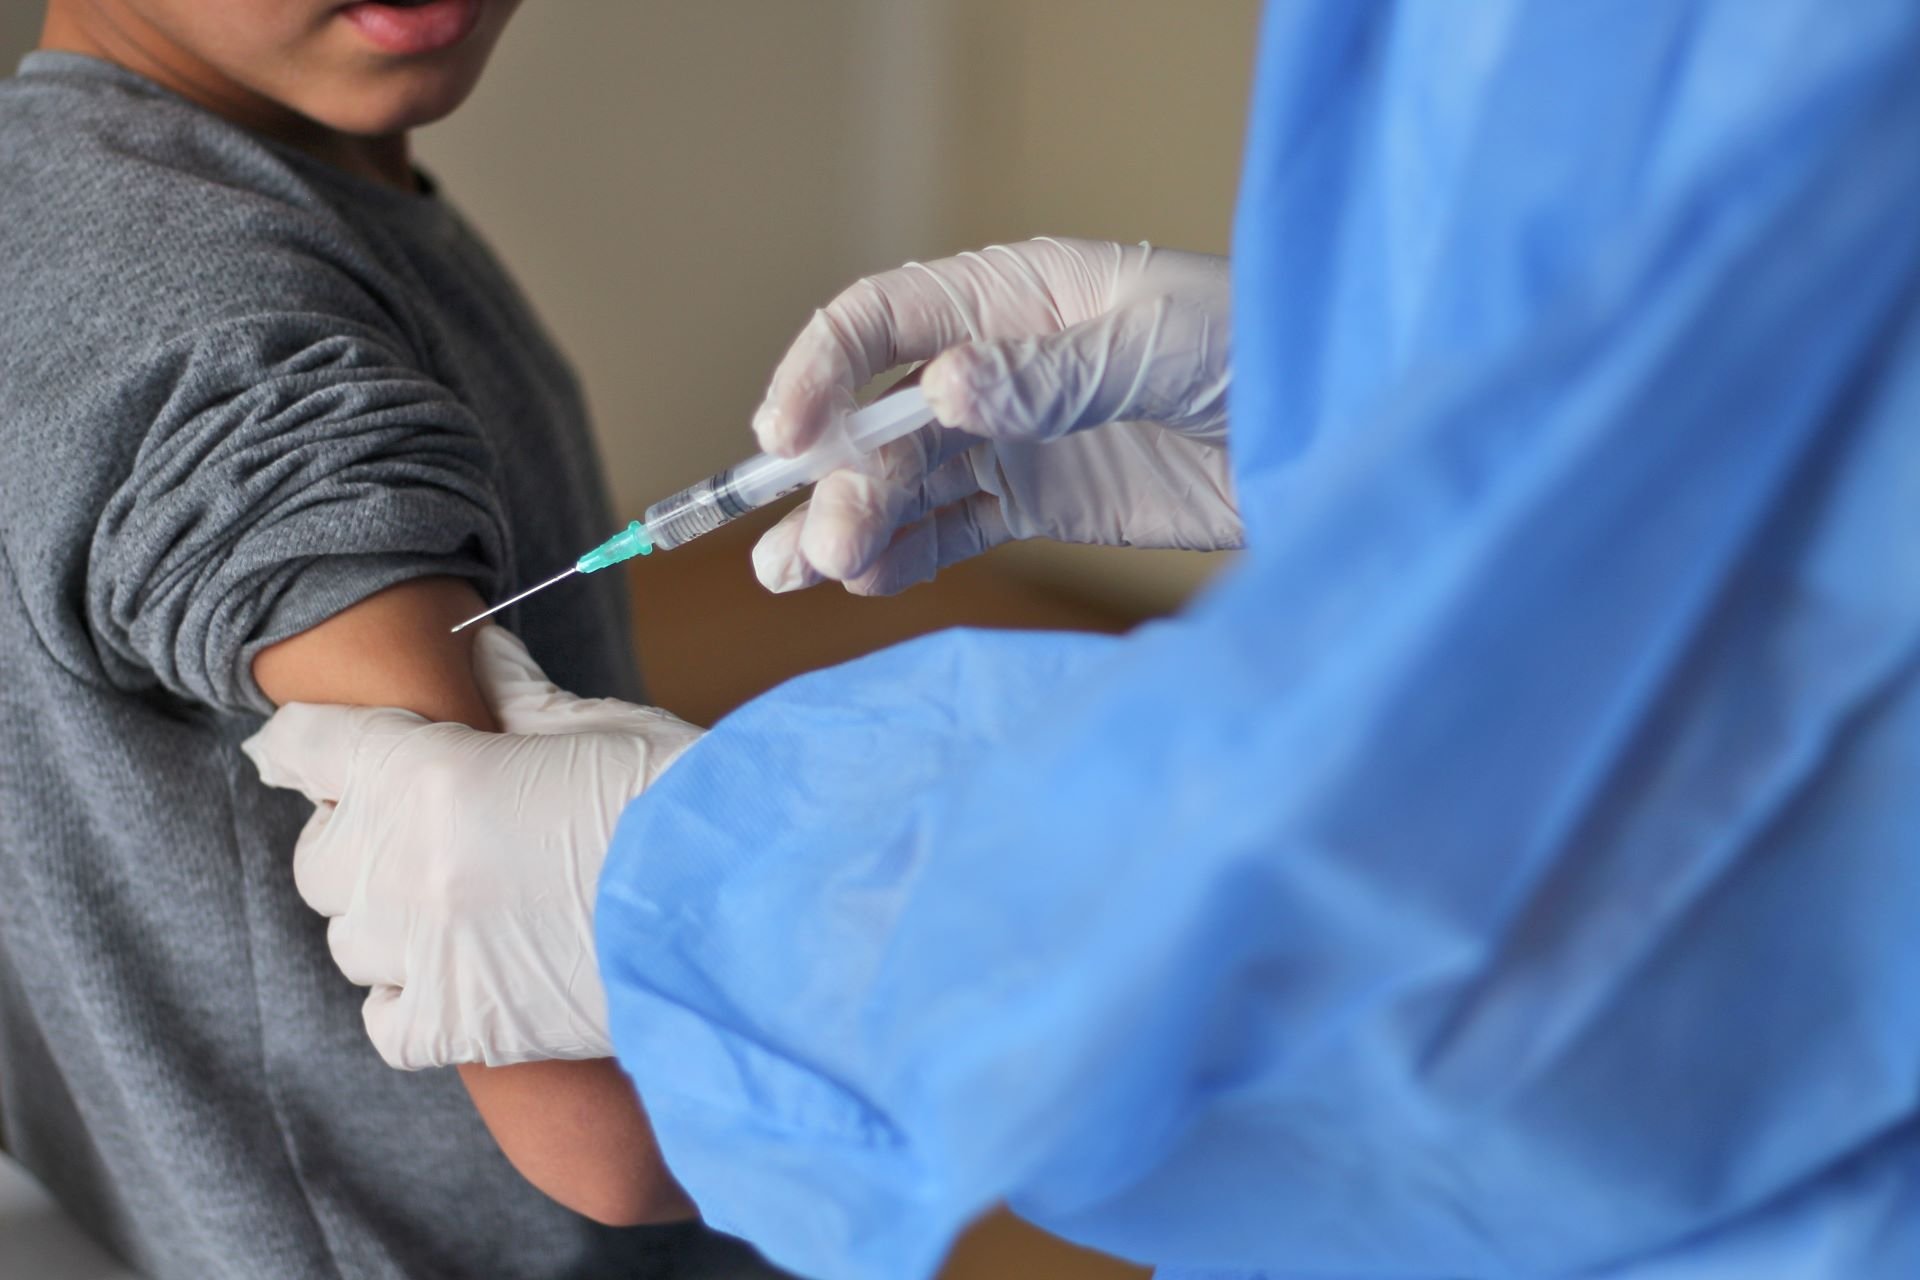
(746, 486)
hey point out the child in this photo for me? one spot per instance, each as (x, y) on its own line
(272, 419)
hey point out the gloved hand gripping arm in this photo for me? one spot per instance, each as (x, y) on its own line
(458, 867)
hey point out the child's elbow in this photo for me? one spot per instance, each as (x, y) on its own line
(576, 1131)
(629, 1199)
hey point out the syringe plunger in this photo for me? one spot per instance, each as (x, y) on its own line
(747, 486)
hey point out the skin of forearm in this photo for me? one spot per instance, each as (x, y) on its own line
(575, 1130)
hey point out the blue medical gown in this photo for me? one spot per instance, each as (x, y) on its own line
(1513, 867)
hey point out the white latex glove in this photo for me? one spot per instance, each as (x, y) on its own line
(1116, 354)
(458, 868)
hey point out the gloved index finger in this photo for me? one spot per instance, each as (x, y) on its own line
(911, 313)
(500, 658)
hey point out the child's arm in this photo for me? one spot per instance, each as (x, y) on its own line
(573, 1129)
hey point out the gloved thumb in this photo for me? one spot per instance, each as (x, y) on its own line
(310, 748)
(1151, 360)
(513, 684)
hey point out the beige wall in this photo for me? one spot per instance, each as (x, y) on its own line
(674, 183)
(19, 29)
(1118, 119)
(677, 183)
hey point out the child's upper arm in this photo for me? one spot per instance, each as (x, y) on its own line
(573, 1129)
(396, 648)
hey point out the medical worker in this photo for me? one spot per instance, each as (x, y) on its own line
(1511, 869)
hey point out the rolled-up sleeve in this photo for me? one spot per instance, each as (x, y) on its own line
(290, 465)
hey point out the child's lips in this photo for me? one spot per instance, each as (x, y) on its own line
(414, 28)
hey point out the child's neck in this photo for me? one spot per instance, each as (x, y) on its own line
(385, 159)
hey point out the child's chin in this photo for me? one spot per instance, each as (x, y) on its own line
(390, 107)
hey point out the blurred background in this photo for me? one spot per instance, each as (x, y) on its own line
(678, 183)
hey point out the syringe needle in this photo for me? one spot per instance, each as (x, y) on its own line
(517, 599)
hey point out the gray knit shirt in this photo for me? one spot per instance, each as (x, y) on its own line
(240, 391)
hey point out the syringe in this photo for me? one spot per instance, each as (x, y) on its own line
(745, 486)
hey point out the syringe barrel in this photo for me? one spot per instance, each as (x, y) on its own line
(746, 486)
(699, 508)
